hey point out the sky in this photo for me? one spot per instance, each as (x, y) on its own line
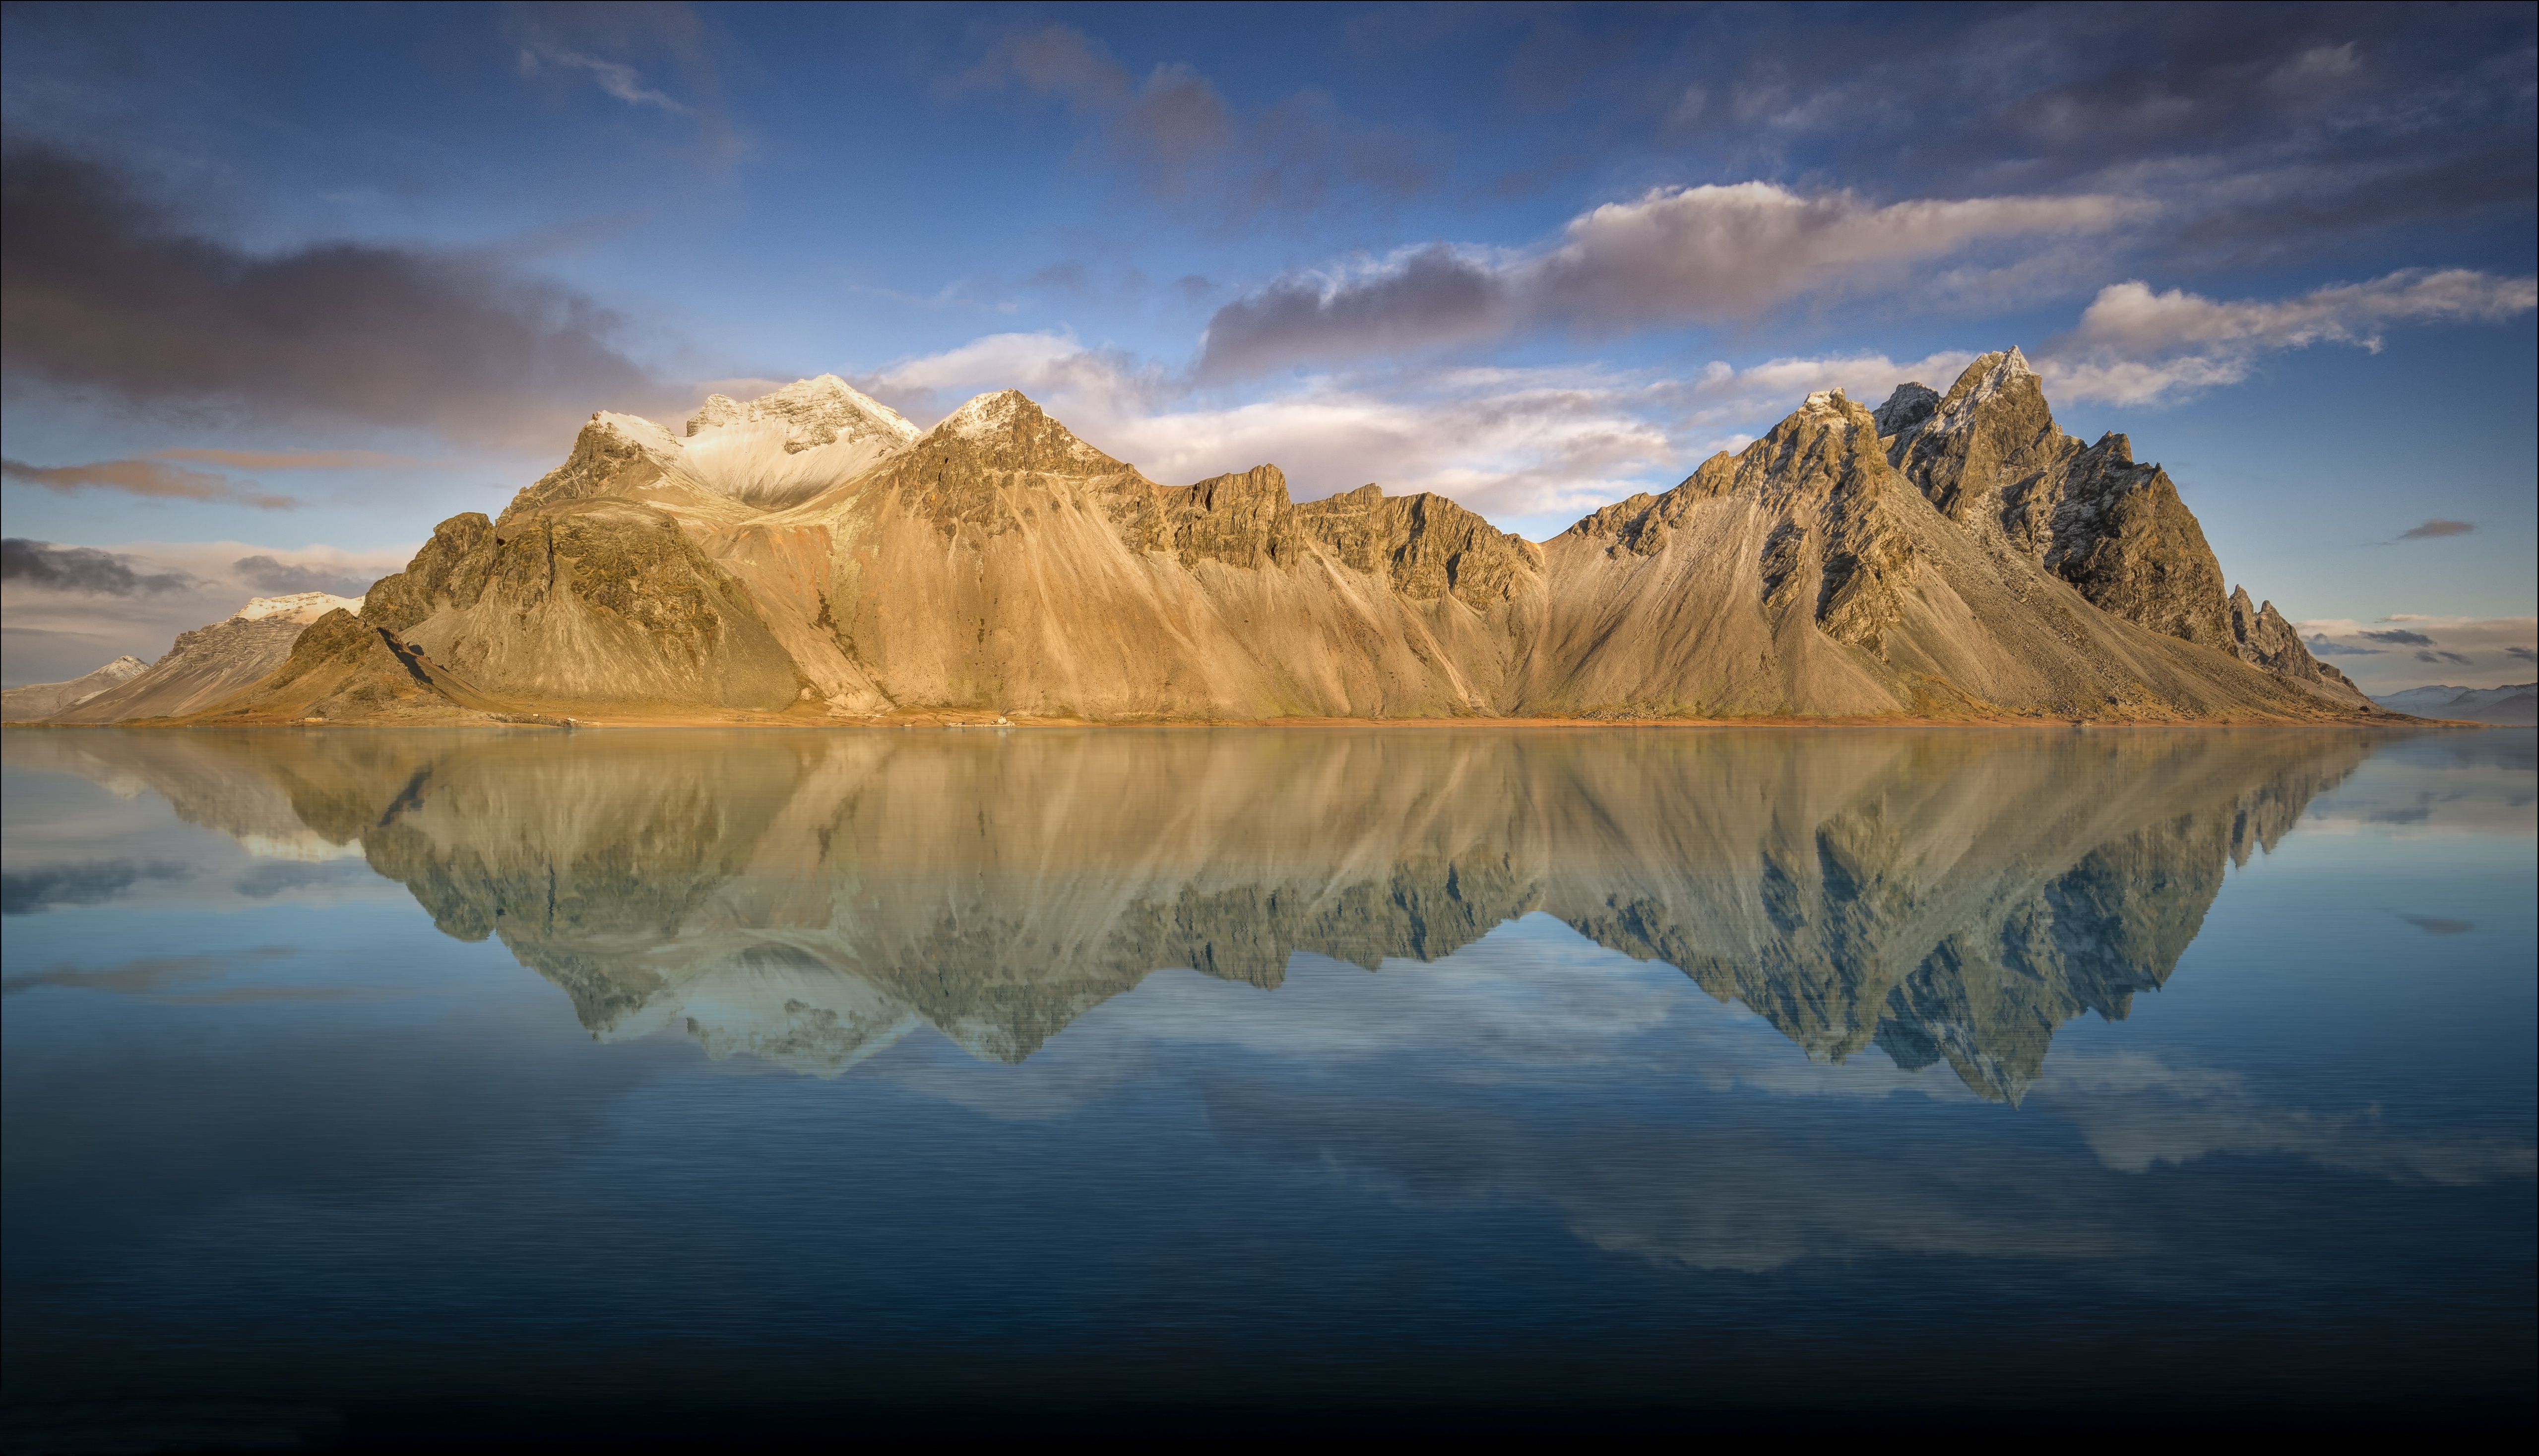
(284, 287)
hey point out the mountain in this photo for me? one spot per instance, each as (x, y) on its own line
(44, 699)
(214, 662)
(809, 898)
(2514, 704)
(811, 555)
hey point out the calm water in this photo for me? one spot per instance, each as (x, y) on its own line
(367, 1079)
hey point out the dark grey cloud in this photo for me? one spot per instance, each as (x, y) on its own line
(284, 578)
(2433, 529)
(2439, 656)
(2320, 646)
(2400, 636)
(1174, 131)
(2434, 925)
(56, 886)
(2271, 130)
(2523, 654)
(80, 569)
(102, 292)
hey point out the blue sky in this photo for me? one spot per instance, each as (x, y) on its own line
(287, 286)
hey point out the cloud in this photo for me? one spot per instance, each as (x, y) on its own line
(1510, 441)
(2392, 654)
(149, 479)
(285, 579)
(79, 569)
(57, 630)
(291, 459)
(2434, 925)
(58, 886)
(103, 293)
(621, 81)
(2434, 528)
(2135, 346)
(1176, 133)
(1675, 255)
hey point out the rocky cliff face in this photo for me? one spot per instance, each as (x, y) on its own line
(2261, 636)
(1808, 575)
(812, 553)
(1990, 456)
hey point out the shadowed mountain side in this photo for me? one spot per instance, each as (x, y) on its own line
(595, 601)
(1805, 575)
(809, 898)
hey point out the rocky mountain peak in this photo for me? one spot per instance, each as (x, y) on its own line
(990, 415)
(1007, 431)
(2002, 376)
(1910, 404)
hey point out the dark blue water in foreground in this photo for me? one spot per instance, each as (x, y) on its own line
(373, 1084)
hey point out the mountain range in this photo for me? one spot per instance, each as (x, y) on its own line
(2514, 704)
(812, 557)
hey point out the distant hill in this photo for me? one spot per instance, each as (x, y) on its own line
(44, 699)
(211, 662)
(2514, 704)
(811, 555)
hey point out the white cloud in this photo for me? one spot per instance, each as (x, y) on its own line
(621, 81)
(2135, 346)
(1761, 393)
(1674, 255)
(1509, 443)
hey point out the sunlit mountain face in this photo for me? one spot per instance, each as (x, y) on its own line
(1307, 1070)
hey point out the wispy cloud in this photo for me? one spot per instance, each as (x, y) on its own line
(2136, 346)
(619, 80)
(1178, 136)
(149, 479)
(2391, 653)
(2437, 529)
(291, 459)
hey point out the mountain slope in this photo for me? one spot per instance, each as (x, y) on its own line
(37, 700)
(210, 663)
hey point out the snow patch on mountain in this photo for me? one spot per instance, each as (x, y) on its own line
(303, 607)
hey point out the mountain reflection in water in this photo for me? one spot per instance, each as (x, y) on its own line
(808, 898)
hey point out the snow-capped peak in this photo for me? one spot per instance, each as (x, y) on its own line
(986, 415)
(825, 410)
(298, 606)
(637, 429)
(1827, 401)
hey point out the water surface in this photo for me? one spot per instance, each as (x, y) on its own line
(646, 1076)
